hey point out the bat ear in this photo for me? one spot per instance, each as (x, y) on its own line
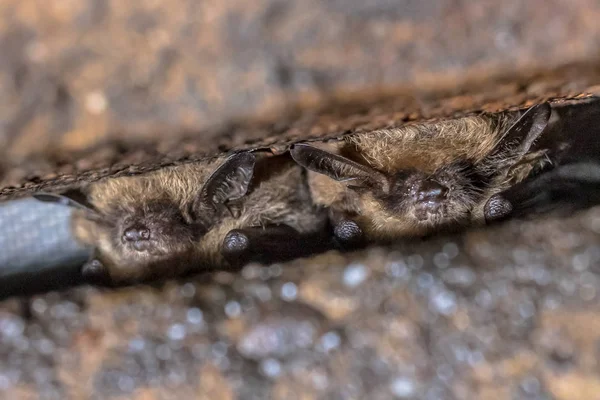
(228, 182)
(527, 129)
(72, 198)
(338, 168)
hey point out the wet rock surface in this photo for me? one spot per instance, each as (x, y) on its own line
(506, 312)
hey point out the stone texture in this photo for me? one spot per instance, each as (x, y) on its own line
(507, 312)
(97, 87)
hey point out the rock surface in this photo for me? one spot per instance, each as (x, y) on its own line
(173, 80)
(507, 312)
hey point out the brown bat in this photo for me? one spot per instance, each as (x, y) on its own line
(421, 179)
(247, 207)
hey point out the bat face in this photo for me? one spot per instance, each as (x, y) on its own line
(132, 242)
(152, 224)
(417, 181)
(423, 200)
(156, 229)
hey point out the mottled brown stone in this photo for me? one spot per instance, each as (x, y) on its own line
(102, 87)
(431, 318)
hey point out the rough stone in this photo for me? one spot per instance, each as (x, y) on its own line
(513, 331)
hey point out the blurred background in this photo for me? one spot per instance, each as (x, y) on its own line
(95, 88)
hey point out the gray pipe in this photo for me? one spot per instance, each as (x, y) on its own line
(37, 250)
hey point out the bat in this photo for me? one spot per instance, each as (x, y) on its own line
(250, 206)
(421, 179)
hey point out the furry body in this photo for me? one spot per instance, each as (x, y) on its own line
(468, 160)
(163, 199)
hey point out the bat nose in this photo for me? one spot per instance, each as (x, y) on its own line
(136, 233)
(430, 191)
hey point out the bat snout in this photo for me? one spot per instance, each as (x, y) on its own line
(430, 193)
(429, 197)
(137, 235)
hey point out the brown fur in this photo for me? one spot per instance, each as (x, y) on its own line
(431, 150)
(278, 195)
(426, 147)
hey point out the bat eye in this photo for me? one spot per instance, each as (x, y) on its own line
(136, 233)
(430, 191)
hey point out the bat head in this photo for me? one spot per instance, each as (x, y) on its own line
(410, 201)
(157, 230)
